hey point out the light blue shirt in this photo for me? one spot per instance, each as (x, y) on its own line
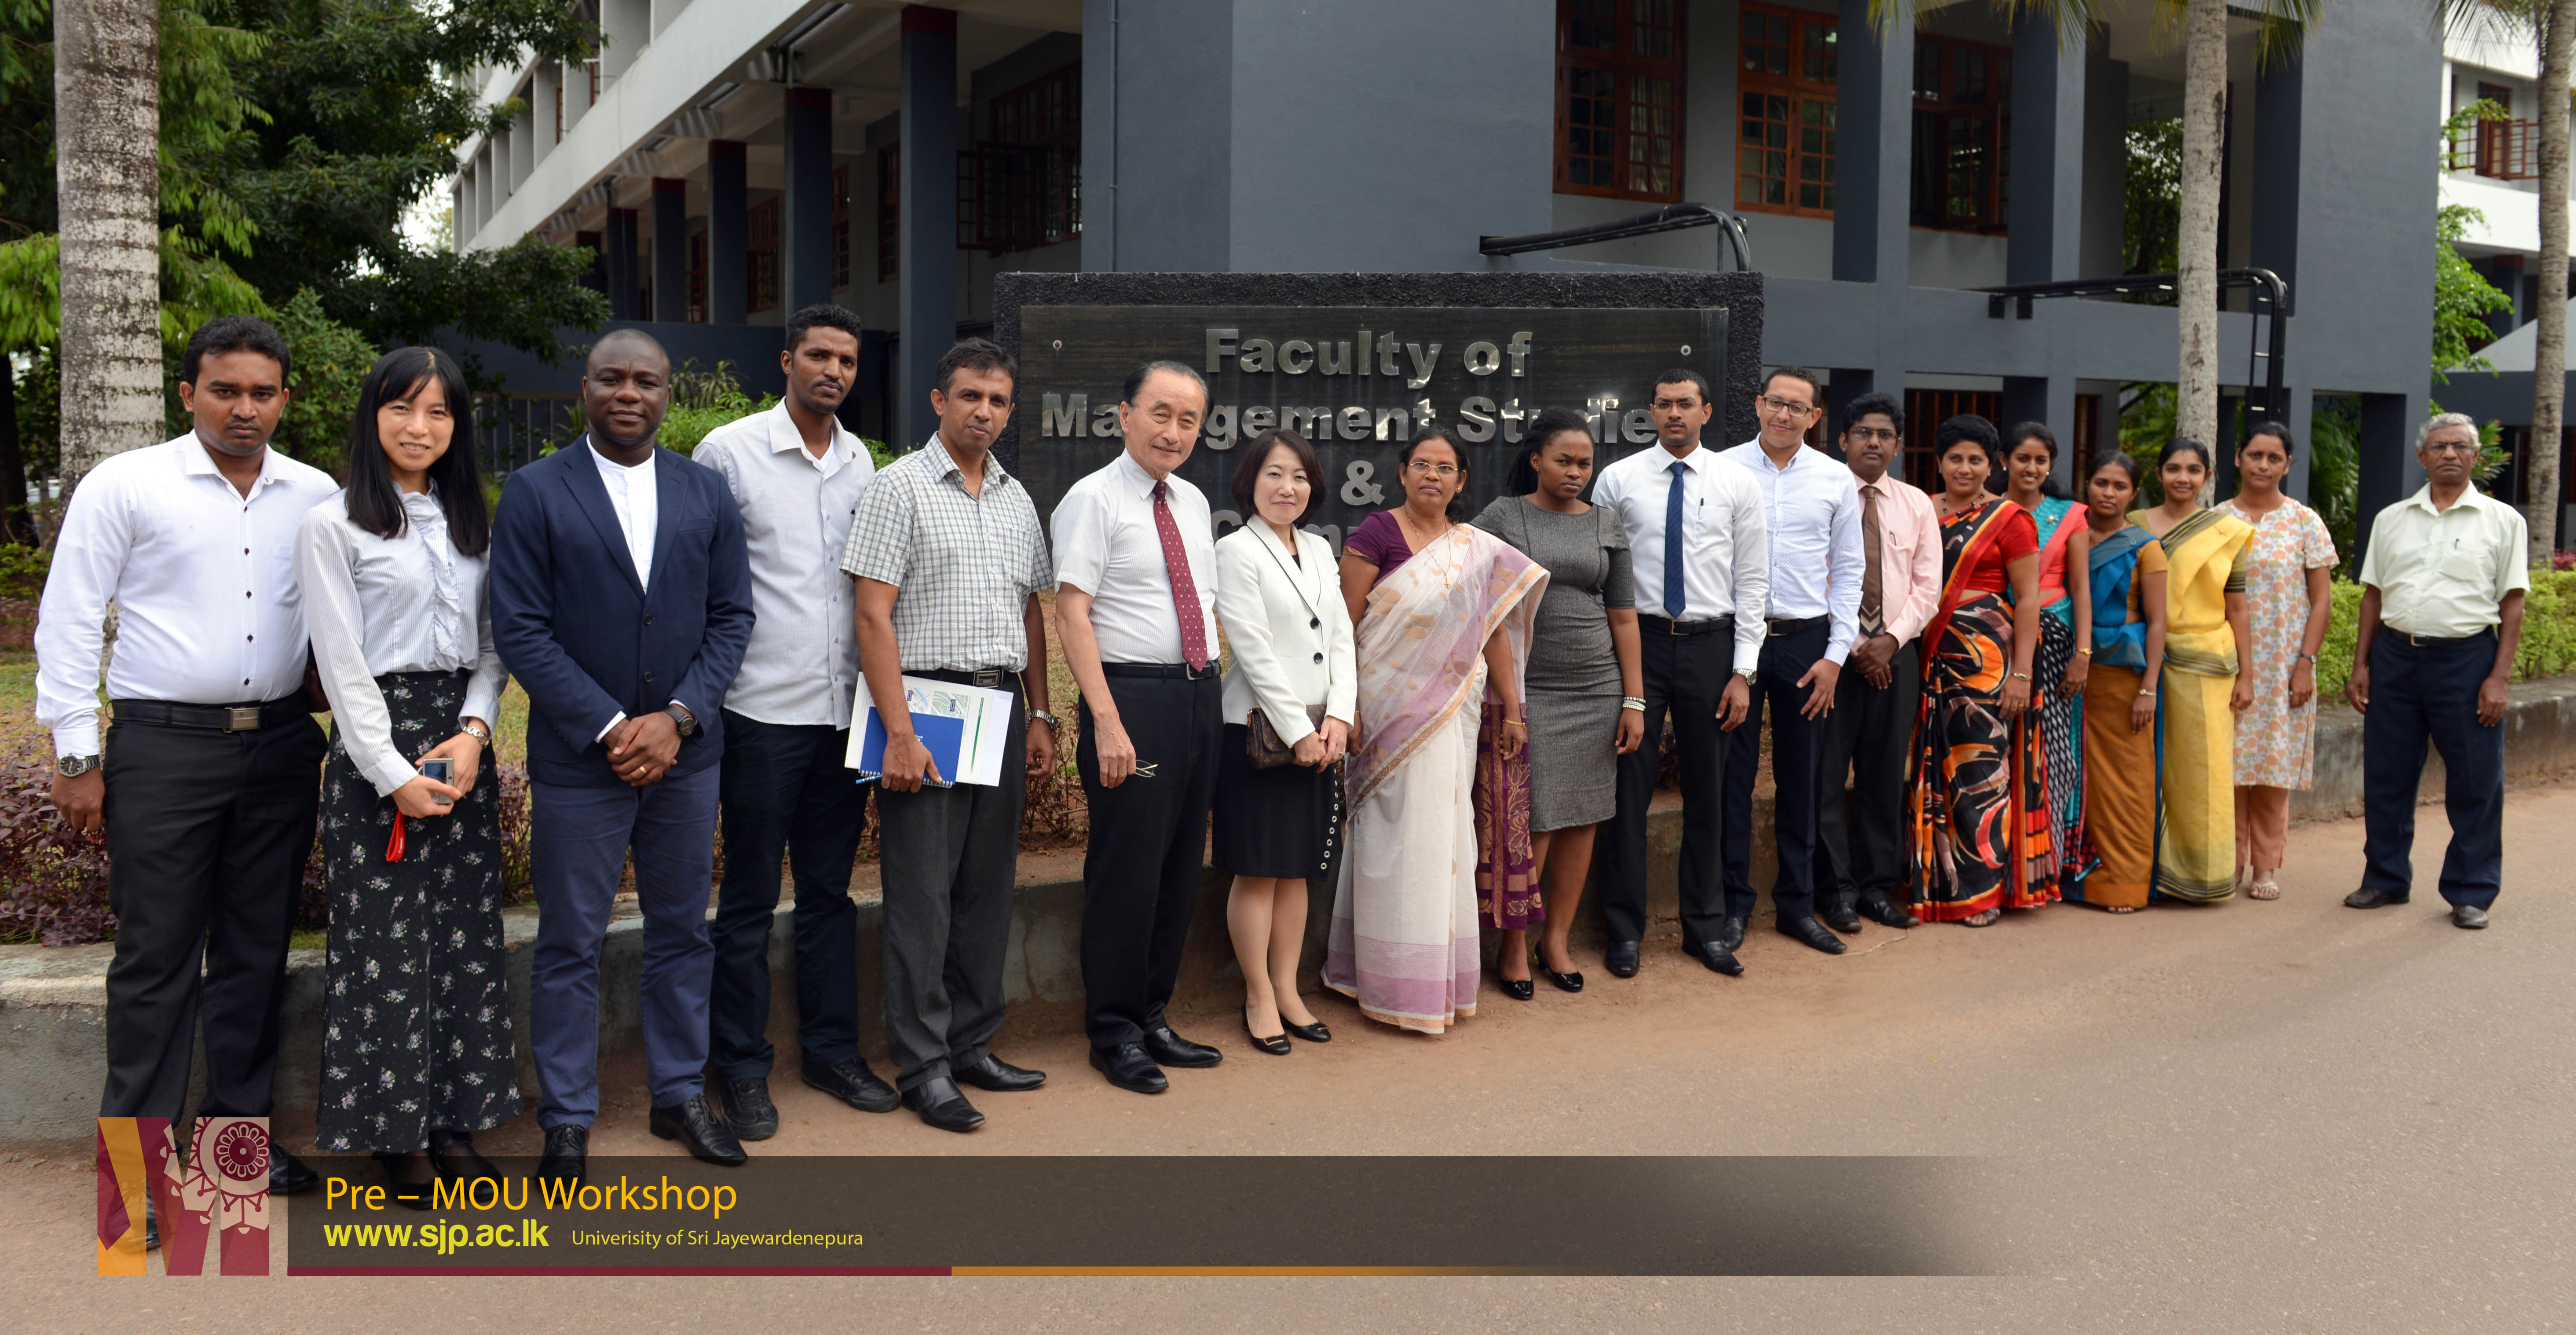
(1812, 514)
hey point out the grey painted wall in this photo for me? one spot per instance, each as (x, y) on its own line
(1157, 134)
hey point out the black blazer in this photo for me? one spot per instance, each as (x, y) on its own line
(582, 634)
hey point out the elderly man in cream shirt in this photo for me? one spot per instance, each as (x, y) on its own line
(2441, 616)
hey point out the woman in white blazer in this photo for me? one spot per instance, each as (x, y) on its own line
(1278, 594)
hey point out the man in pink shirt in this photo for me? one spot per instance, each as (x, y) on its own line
(1861, 864)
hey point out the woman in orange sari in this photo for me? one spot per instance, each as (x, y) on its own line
(1979, 794)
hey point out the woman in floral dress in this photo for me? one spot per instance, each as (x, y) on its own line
(2288, 598)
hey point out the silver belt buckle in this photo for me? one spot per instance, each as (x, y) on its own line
(241, 718)
(989, 678)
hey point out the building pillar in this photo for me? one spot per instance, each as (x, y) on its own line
(927, 241)
(1874, 139)
(2045, 224)
(523, 145)
(546, 111)
(728, 234)
(623, 271)
(805, 277)
(670, 248)
(2388, 469)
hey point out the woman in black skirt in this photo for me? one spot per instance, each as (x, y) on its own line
(416, 1047)
(1278, 594)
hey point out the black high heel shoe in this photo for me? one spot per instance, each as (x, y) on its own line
(454, 1154)
(1312, 1033)
(1562, 982)
(1518, 989)
(408, 1180)
(1276, 1045)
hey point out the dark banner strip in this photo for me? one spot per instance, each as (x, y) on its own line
(1194, 1215)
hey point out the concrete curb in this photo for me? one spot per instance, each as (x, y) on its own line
(53, 1000)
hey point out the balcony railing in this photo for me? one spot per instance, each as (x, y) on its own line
(2498, 150)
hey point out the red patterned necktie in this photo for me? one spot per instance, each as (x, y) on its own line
(1185, 591)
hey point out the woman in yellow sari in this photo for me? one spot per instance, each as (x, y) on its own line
(2206, 635)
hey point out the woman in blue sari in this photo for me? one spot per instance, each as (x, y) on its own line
(2115, 863)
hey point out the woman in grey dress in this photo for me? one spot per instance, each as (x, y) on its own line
(1583, 698)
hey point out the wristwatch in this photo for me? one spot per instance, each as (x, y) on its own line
(1054, 724)
(474, 728)
(680, 715)
(72, 767)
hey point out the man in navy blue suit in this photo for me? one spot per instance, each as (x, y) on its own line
(621, 600)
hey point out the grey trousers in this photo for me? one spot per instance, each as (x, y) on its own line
(949, 857)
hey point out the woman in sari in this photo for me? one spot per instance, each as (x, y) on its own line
(2114, 865)
(1978, 789)
(1442, 613)
(2206, 636)
(2059, 668)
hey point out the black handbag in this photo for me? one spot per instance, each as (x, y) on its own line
(1261, 744)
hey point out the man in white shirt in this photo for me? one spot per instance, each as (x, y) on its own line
(1701, 565)
(1862, 852)
(2442, 587)
(785, 788)
(1135, 557)
(1811, 509)
(209, 779)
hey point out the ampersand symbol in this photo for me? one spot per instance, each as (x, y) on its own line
(1356, 487)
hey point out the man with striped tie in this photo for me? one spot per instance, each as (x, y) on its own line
(1702, 566)
(1135, 564)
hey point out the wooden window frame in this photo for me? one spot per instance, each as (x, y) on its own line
(1637, 78)
(1810, 79)
(1953, 104)
(697, 298)
(761, 231)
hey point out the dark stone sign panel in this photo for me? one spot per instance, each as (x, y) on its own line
(1354, 363)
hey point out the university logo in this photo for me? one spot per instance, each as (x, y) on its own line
(220, 1186)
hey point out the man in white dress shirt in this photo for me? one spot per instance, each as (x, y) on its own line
(785, 789)
(210, 775)
(1701, 565)
(1135, 559)
(1811, 507)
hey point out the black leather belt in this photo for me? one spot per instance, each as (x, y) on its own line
(2428, 642)
(1778, 628)
(219, 718)
(1668, 626)
(1181, 670)
(993, 679)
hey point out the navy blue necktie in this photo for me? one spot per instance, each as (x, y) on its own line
(1673, 543)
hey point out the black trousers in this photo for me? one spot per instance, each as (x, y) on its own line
(950, 858)
(786, 794)
(1685, 676)
(1860, 836)
(1148, 849)
(1797, 744)
(208, 833)
(2431, 695)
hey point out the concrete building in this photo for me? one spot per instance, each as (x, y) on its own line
(734, 160)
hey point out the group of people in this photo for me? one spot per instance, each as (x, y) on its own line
(1969, 703)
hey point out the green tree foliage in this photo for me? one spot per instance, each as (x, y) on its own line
(2152, 217)
(331, 361)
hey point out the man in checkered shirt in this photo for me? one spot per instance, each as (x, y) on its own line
(949, 559)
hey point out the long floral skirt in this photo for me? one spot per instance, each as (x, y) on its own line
(1977, 790)
(416, 1031)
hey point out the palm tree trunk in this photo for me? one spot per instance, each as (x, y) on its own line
(107, 116)
(2204, 122)
(2549, 349)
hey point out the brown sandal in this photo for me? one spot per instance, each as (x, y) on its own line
(2263, 887)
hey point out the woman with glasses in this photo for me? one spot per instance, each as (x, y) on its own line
(2064, 659)
(1443, 612)
(2289, 598)
(416, 1047)
(2206, 638)
(1586, 699)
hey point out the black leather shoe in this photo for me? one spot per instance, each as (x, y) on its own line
(1518, 989)
(1620, 958)
(1813, 933)
(2468, 915)
(1730, 934)
(1276, 1044)
(1311, 1033)
(989, 1072)
(567, 1153)
(1562, 982)
(2371, 897)
(1129, 1068)
(1170, 1049)
(1838, 913)
(852, 1083)
(287, 1174)
(408, 1180)
(456, 1157)
(1719, 959)
(1885, 912)
(748, 1113)
(694, 1124)
(943, 1105)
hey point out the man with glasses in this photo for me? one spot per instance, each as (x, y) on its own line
(2442, 586)
(1811, 514)
(1861, 855)
(1698, 554)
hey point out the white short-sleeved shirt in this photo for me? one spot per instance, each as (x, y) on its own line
(2444, 574)
(1108, 545)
